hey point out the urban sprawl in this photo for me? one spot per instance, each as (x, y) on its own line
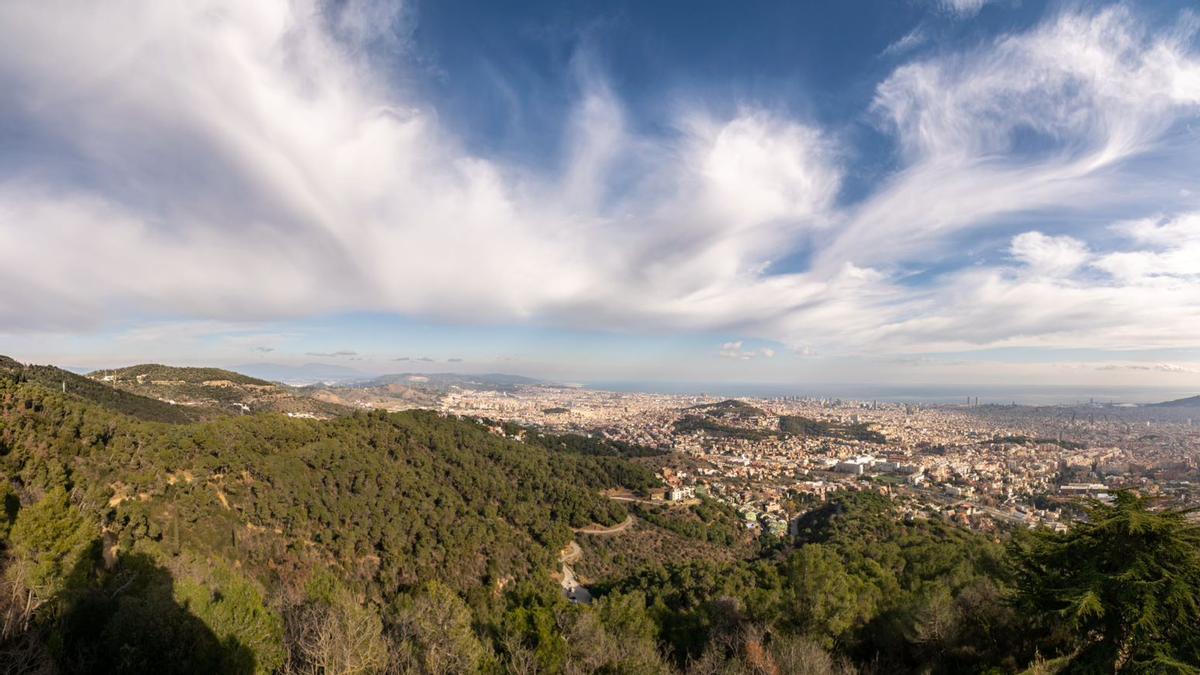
(983, 466)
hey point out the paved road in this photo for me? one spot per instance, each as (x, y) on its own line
(575, 592)
(571, 586)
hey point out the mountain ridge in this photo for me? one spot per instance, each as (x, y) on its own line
(221, 391)
(188, 374)
(496, 381)
(1189, 402)
(308, 373)
(128, 403)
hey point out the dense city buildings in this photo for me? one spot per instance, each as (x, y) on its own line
(984, 466)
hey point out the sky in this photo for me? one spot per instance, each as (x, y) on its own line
(936, 191)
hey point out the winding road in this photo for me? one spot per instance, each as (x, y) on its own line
(572, 553)
(571, 586)
(596, 529)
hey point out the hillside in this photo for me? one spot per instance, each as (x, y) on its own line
(726, 419)
(737, 419)
(153, 372)
(214, 391)
(804, 426)
(384, 502)
(124, 402)
(729, 409)
(1190, 402)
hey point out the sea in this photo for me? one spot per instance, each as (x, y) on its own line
(1037, 395)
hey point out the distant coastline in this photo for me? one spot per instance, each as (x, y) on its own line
(915, 393)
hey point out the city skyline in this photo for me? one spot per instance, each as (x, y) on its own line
(990, 192)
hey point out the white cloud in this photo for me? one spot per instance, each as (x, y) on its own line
(733, 350)
(1170, 255)
(1155, 367)
(1055, 256)
(962, 8)
(237, 162)
(1094, 89)
(908, 42)
(253, 169)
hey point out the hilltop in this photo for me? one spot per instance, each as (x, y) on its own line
(730, 418)
(729, 408)
(154, 372)
(213, 390)
(1190, 402)
(125, 402)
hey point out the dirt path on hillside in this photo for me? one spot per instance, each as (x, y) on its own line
(602, 531)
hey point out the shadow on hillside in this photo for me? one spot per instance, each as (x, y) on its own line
(131, 623)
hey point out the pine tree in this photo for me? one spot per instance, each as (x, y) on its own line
(1124, 586)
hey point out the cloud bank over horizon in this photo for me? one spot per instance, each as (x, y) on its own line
(236, 163)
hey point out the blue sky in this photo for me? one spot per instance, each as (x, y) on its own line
(939, 191)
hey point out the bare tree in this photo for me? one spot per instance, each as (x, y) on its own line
(21, 649)
(338, 638)
(434, 624)
(518, 659)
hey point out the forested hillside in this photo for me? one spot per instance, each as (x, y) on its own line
(128, 403)
(413, 542)
(214, 392)
(154, 372)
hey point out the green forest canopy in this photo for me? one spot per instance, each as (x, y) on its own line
(264, 543)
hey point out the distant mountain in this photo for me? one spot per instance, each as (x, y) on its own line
(223, 391)
(443, 381)
(309, 373)
(402, 391)
(1190, 402)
